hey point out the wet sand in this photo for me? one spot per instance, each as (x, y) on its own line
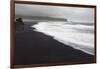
(36, 48)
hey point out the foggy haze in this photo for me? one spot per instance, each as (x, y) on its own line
(74, 14)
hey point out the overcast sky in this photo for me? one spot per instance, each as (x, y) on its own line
(70, 13)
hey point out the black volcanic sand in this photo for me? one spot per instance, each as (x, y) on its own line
(36, 48)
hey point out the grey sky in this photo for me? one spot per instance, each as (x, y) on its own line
(70, 13)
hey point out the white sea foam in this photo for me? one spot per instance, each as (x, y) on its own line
(76, 36)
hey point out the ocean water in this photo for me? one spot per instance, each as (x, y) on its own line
(77, 35)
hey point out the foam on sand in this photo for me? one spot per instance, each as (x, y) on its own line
(77, 36)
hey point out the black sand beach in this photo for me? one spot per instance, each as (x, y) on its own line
(36, 48)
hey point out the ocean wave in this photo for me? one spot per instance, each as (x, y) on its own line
(76, 36)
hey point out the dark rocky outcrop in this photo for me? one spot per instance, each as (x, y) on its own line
(19, 25)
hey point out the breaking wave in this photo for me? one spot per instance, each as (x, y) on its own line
(78, 36)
